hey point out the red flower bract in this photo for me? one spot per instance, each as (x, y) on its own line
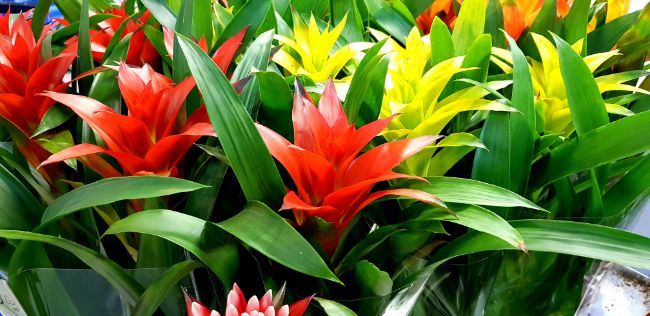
(24, 73)
(237, 305)
(331, 181)
(140, 52)
(145, 141)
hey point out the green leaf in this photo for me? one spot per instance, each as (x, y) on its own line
(575, 23)
(371, 63)
(265, 231)
(111, 271)
(354, 29)
(253, 13)
(587, 106)
(19, 208)
(467, 191)
(479, 219)
(460, 139)
(200, 203)
(494, 23)
(620, 139)
(157, 39)
(85, 60)
(478, 56)
(208, 243)
(277, 102)
(391, 16)
(38, 18)
(572, 238)
(256, 57)
(365, 246)
(110, 190)
(375, 287)
(635, 183)
(242, 143)
(70, 9)
(446, 158)
(442, 48)
(602, 39)
(202, 20)
(333, 308)
(509, 137)
(54, 117)
(418, 6)
(469, 25)
(105, 87)
(154, 295)
(161, 12)
(183, 27)
(543, 25)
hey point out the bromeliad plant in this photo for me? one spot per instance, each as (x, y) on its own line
(513, 153)
(332, 183)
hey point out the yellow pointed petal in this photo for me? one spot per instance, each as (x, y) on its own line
(617, 109)
(287, 62)
(620, 87)
(594, 61)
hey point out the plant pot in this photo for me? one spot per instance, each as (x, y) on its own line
(65, 292)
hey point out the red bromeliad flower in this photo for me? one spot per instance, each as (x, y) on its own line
(146, 141)
(237, 305)
(140, 52)
(331, 181)
(24, 74)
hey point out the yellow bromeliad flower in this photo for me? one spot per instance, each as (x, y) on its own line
(551, 101)
(615, 9)
(313, 53)
(413, 93)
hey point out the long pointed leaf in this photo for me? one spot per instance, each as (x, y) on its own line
(242, 143)
(156, 292)
(115, 189)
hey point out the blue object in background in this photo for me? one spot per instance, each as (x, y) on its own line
(17, 6)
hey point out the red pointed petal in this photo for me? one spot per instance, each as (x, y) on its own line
(168, 36)
(332, 110)
(131, 85)
(170, 105)
(11, 81)
(318, 174)
(241, 298)
(353, 144)
(409, 193)
(224, 55)
(203, 44)
(309, 127)
(384, 158)
(294, 202)
(47, 77)
(120, 133)
(135, 48)
(194, 308)
(346, 197)
(13, 109)
(167, 152)
(200, 115)
(298, 308)
(292, 162)
(88, 151)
